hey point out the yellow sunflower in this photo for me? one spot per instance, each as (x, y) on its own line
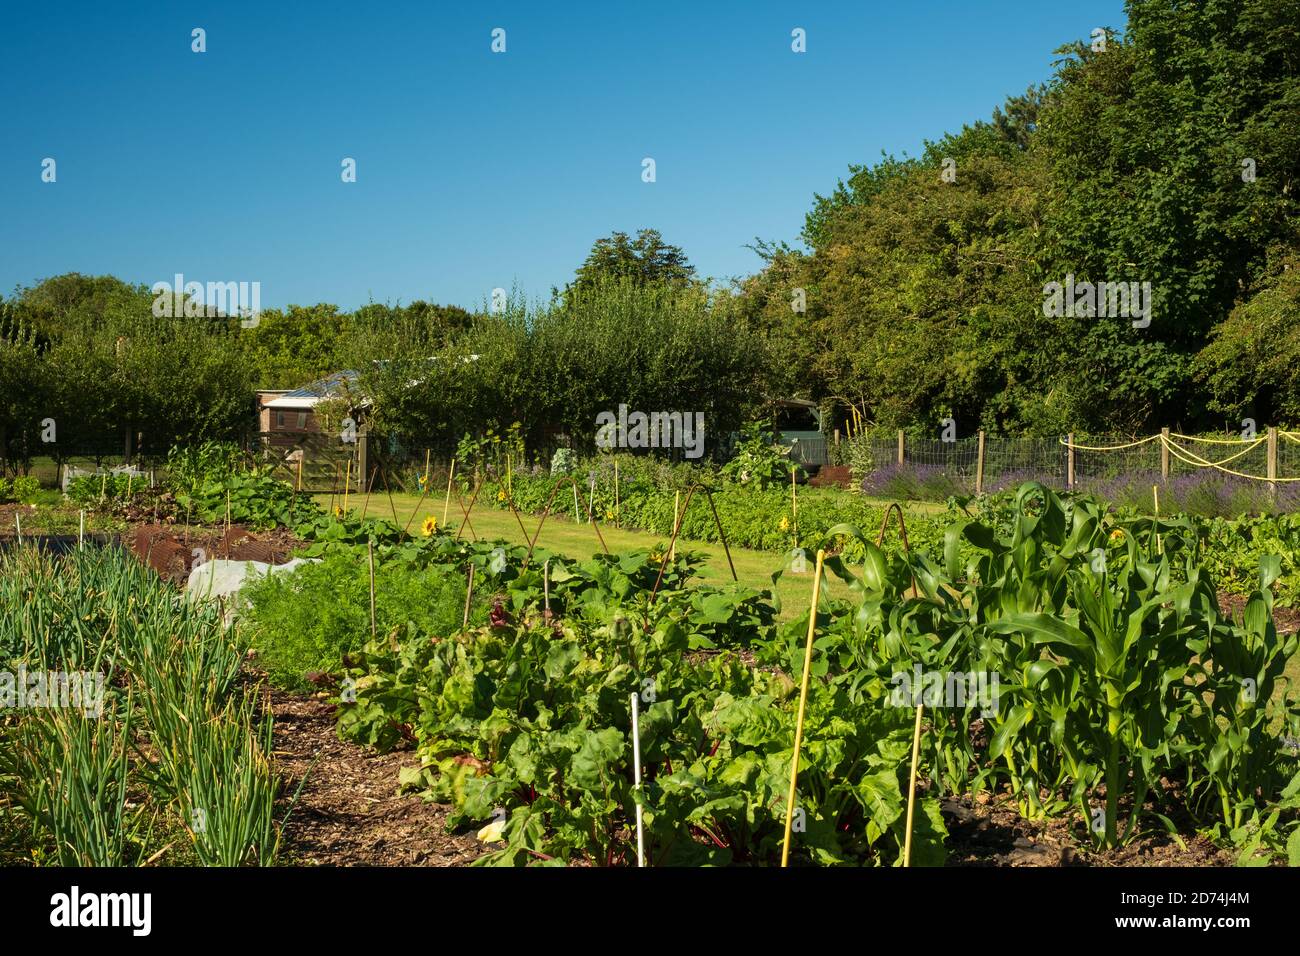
(501, 495)
(338, 511)
(430, 525)
(785, 523)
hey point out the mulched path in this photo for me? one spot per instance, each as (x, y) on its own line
(349, 812)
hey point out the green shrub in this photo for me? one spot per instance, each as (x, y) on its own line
(25, 488)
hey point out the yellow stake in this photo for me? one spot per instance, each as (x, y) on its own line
(911, 787)
(347, 486)
(803, 704)
(672, 551)
(1155, 497)
(446, 502)
(794, 504)
(301, 455)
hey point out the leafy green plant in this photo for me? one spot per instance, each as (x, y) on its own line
(758, 460)
(252, 498)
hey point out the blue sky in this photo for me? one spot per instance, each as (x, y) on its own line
(474, 169)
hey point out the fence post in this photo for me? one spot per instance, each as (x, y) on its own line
(1272, 459)
(900, 446)
(1069, 461)
(979, 466)
(126, 446)
(1164, 454)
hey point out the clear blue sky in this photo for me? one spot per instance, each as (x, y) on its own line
(474, 169)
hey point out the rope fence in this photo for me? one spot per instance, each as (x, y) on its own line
(1262, 470)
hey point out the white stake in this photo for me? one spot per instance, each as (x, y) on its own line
(546, 587)
(18, 521)
(81, 530)
(636, 777)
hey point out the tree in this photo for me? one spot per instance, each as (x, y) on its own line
(645, 260)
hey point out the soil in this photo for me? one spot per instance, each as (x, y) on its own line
(1287, 619)
(348, 812)
(173, 551)
(989, 831)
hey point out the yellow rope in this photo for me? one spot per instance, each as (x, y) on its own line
(1178, 452)
(1206, 463)
(1211, 441)
(1133, 444)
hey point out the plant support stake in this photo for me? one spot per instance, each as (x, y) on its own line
(636, 778)
(911, 784)
(81, 530)
(370, 555)
(469, 593)
(446, 502)
(803, 706)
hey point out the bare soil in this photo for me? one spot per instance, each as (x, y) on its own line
(173, 551)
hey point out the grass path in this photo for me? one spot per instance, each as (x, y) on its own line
(560, 534)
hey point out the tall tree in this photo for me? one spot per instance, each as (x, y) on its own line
(645, 260)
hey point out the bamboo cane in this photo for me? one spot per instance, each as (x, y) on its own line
(1155, 498)
(365, 508)
(347, 486)
(803, 706)
(794, 503)
(911, 786)
(469, 593)
(636, 778)
(617, 519)
(446, 502)
(370, 555)
(672, 550)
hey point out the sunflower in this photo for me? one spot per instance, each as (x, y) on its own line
(430, 525)
(338, 511)
(501, 495)
(785, 523)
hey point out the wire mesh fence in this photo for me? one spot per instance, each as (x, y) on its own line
(1216, 473)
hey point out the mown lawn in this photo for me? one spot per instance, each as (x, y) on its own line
(753, 568)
